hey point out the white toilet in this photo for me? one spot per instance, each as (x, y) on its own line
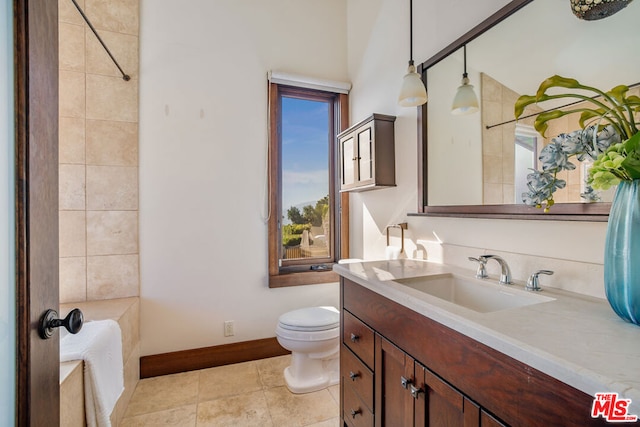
(311, 334)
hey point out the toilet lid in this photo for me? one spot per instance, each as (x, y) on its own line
(311, 319)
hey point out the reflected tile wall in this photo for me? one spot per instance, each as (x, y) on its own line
(98, 152)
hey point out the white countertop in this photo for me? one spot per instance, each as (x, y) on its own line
(577, 339)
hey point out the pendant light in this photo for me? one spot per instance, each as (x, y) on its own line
(413, 92)
(465, 101)
(591, 10)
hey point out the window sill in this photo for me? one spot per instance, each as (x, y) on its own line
(305, 278)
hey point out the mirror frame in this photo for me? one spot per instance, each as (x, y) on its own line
(598, 212)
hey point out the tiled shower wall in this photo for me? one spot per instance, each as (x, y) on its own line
(98, 151)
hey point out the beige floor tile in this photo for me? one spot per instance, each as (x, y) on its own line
(296, 410)
(271, 370)
(161, 393)
(333, 422)
(243, 410)
(184, 416)
(335, 392)
(230, 380)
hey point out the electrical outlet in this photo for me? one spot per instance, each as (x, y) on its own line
(228, 328)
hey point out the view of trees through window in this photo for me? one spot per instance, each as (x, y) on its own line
(305, 202)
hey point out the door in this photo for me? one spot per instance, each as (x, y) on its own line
(36, 210)
(393, 377)
(439, 404)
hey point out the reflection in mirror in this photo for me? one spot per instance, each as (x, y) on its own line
(483, 158)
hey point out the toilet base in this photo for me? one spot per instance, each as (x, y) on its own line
(306, 375)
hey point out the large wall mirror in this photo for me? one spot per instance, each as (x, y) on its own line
(476, 165)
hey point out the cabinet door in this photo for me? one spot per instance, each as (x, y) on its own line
(347, 157)
(365, 154)
(439, 404)
(393, 376)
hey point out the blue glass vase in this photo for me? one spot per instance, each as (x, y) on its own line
(622, 252)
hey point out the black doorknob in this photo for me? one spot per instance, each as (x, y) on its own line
(49, 321)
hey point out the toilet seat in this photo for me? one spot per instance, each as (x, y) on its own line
(311, 319)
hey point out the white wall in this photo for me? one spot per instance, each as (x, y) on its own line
(378, 54)
(203, 136)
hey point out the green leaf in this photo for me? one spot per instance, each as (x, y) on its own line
(631, 163)
(632, 144)
(618, 93)
(541, 124)
(522, 103)
(590, 114)
(557, 81)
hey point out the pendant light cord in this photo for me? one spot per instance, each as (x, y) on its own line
(410, 32)
(464, 50)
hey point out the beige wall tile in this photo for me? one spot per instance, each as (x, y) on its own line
(72, 233)
(491, 89)
(112, 98)
(71, 47)
(491, 112)
(114, 15)
(492, 194)
(492, 142)
(112, 188)
(72, 412)
(72, 94)
(112, 143)
(71, 140)
(492, 169)
(73, 279)
(131, 378)
(71, 184)
(124, 47)
(112, 232)
(114, 276)
(67, 12)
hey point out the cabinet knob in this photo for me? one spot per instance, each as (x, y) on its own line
(354, 337)
(415, 391)
(405, 382)
(353, 375)
(355, 412)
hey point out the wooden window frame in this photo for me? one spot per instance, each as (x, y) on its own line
(300, 273)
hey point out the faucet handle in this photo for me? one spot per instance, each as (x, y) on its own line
(481, 273)
(533, 284)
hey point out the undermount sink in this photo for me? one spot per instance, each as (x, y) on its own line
(475, 294)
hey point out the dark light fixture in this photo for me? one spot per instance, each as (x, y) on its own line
(592, 10)
(413, 92)
(465, 101)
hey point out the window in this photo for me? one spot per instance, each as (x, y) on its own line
(305, 222)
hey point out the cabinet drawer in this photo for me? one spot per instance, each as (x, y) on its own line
(356, 375)
(355, 413)
(358, 337)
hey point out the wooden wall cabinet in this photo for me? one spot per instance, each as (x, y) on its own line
(367, 154)
(402, 369)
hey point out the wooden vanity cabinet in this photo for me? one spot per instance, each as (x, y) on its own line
(425, 374)
(367, 154)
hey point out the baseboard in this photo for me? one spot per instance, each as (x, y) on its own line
(209, 357)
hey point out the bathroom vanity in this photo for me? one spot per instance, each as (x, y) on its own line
(410, 358)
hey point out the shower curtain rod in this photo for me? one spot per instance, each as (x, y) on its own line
(125, 76)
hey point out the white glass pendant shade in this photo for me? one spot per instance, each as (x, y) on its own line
(465, 101)
(413, 92)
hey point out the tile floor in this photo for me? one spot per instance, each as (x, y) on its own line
(245, 394)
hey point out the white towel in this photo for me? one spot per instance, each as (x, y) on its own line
(99, 345)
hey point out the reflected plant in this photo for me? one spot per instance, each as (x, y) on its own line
(613, 143)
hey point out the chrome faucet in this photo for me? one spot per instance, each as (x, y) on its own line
(505, 276)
